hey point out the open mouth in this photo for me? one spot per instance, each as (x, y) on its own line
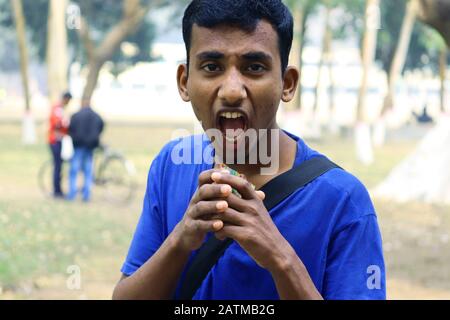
(232, 125)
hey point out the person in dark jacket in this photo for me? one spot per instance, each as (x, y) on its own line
(85, 129)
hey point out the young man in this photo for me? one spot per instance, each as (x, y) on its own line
(58, 126)
(85, 129)
(323, 241)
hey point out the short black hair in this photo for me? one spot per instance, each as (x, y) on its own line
(245, 14)
(67, 96)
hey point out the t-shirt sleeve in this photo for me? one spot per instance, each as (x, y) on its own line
(148, 236)
(355, 265)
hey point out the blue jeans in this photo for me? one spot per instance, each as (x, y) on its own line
(57, 164)
(82, 160)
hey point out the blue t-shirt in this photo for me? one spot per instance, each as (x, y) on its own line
(331, 224)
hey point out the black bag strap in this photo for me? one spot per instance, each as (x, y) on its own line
(276, 190)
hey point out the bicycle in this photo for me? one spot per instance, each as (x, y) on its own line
(114, 176)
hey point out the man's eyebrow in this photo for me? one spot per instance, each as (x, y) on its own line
(257, 56)
(210, 55)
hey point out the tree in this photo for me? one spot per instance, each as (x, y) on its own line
(436, 13)
(368, 53)
(100, 15)
(325, 54)
(133, 13)
(443, 76)
(405, 44)
(423, 175)
(36, 24)
(29, 135)
(57, 51)
(400, 54)
(23, 49)
(350, 14)
(302, 10)
(396, 64)
(362, 132)
(348, 25)
(393, 14)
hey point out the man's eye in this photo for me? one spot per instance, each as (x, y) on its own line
(211, 67)
(256, 68)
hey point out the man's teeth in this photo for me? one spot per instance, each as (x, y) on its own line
(231, 115)
(230, 134)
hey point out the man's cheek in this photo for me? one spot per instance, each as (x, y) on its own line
(266, 109)
(202, 117)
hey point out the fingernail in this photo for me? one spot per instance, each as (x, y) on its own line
(221, 205)
(225, 171)
(225, 189)
(216, 176)
(217, 225)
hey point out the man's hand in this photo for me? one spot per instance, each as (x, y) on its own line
(248, 222)
(203, 213)
(208, 200)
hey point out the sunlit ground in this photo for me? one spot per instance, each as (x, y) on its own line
(40, 239)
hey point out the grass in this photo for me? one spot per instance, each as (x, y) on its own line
(40, 239)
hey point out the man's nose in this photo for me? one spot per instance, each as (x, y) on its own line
(233, 89)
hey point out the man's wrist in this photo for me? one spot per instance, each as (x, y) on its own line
(292, 278)
(283, 260)
(176, 243)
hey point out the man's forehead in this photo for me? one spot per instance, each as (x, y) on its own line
(229, 38)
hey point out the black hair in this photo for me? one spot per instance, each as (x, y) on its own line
(245, 14)
(67, 96)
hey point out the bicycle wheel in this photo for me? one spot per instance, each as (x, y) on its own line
(117, 179)
(45, 178)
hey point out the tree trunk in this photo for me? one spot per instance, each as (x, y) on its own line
(28, 128)
(368, 54)
(332, 97)
(399, 58)
(133, 14)
(423, 176)
(91, 81)
(323, 56)
(436, 13)
(19, 18)
(57, 52)
(301, 42)
(443, 77)
(296, 52)
(303, 18)
(333, 128)
(300, 69)
(363, 140)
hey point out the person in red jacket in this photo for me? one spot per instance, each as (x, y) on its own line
(58, 127)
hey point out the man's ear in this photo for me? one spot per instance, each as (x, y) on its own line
(290, 81)
(182, 79)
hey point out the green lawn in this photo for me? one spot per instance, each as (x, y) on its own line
(40, 238)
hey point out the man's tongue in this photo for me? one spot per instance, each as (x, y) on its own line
(231, 125)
